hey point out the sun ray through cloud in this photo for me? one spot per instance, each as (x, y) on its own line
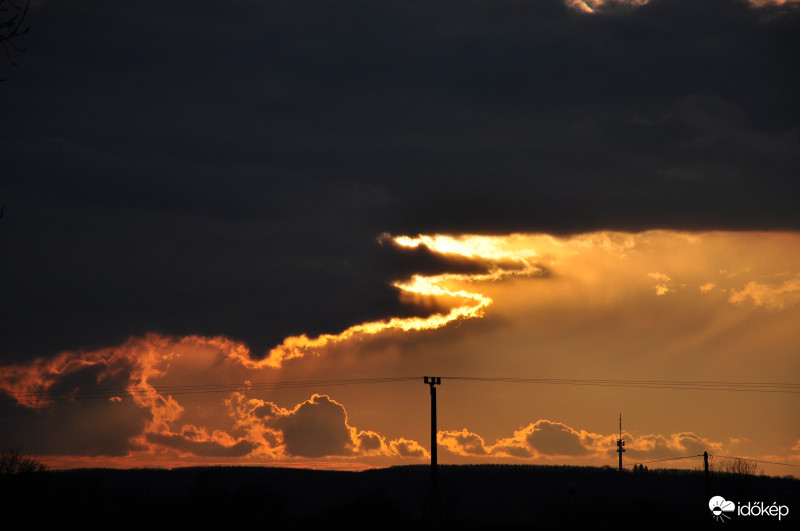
(230, 410)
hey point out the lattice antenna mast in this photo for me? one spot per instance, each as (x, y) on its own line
(620, 443)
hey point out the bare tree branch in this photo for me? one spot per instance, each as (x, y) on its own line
(12, 26)
(13, 461)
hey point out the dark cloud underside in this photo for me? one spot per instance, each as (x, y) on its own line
(201, 448)
(227, 167)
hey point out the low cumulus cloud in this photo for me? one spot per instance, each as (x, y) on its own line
(317, 427)
(130, 400)
(654, 446)
(462, 442)
(554, 438)
(370, 443)
(407, 448)
(540, 439)
(546, 439)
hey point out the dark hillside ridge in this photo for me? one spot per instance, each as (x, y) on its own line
(472, 497)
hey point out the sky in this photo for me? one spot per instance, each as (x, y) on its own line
(242, 232)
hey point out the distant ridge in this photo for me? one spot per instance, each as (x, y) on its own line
(472, 496)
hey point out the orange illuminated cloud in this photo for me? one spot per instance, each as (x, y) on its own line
(249, 427)
(593, 6)
(761, 3)
(317, 427)
(506, 255)
(406, 448)
(163, 399)
(771, 296)
(547, 440)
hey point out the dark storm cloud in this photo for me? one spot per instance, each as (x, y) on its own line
(227, 167)
(405, 261)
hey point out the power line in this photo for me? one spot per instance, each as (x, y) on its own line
(132, 391)
(763, 387)
(754, 460)
(175, 390)
(709, 455)
(666, 459)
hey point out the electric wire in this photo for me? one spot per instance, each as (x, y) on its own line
(713, 456)
(134, 390)
(174, 390)
(763, 387)
(661, 460)
(755, 460)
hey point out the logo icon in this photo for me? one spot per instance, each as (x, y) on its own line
(719, 506)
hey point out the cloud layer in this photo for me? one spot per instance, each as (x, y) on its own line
(74, 389)
(241, 193)
(533, 304)
(546, 439)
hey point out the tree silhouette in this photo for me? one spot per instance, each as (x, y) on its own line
(12, 26)
(13, 461)
(735, 465)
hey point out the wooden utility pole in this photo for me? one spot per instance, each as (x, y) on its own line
(433, 381)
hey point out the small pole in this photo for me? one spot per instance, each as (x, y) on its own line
(433, 381)
(705, 465)
(620, 443)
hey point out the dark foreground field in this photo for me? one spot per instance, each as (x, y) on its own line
(472, 497)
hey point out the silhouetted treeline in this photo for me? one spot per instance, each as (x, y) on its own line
(472, 497)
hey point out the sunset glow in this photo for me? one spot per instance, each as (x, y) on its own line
(304, 253)
(722, 305)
